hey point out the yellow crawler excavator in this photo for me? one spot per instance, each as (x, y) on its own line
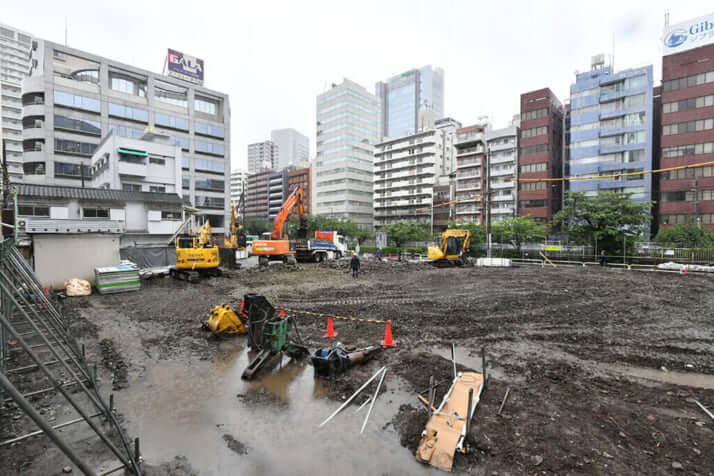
(453, 250)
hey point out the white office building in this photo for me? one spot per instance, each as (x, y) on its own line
(262, 156)
(347, 129)
(149, 164)
(15, 46)
(239, 180)
(503, 172)
(406, 170)
(74, 98)
(293, 147)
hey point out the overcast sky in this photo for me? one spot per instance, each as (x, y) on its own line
(274, 57)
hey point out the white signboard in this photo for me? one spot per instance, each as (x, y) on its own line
(688, 35)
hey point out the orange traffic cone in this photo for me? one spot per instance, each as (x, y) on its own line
(686, 270)
(242, 305)
(47, 292)
(330, 330)
(282, 313)
(388, 341)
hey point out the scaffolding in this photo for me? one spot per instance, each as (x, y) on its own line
(36, 337)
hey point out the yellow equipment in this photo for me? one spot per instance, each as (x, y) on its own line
(224, 320)
(196, 256)
(453, 250)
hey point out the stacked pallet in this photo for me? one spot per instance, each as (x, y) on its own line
(117, 279)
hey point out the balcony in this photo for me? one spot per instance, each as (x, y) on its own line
(502, 158)
(502, 172)
(504, 198)
(502, 184)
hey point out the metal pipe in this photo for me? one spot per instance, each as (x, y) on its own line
(39, 432)
(705, 410)
(469, 412)
(374, 399)
(39, 421)
(432, 395)
(44, 390)
(483, 364)
(453, 357)
(503, 403)
(352, 397)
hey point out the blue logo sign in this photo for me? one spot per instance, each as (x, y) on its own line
(675, 38)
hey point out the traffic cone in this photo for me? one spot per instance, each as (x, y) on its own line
(686, 270)
(282, 313)
(47, 292)
(388, 341)
(242, 305)
(330, 330)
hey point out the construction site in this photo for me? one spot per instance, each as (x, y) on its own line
(586, 370)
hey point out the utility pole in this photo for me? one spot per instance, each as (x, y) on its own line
(488, 197)
(696, 200)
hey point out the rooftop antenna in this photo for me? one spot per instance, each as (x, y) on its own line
(65, 31)
(666, 18)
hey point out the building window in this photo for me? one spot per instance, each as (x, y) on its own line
(209, 202)
(127, 112)
(688, 81)
(157, 161)
(209, 130)
(211, 148)
(131, 187)
(33, 210)
(171, 122)
(532, 203)
(95, 212)
(127, 84)
(532, 168)
(157, 189)
(82, 126)
(210, 166)
(687, 127)
(205, 105)
(67, 170)
(170, 94)
(76, 102)
(126, 131)
(32, 99)
(72, 147)
(690, 149)
(209, 184)
(170, 215)
(33, 168)
(534, 132)
(532, 186)
(537, 114)
(534, 149)
(33, 145)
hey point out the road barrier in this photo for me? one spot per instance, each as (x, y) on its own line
(335, 316)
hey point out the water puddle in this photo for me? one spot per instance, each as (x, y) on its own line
(185, 409)
(676, 378)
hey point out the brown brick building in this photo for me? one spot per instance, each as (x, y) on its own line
(687, 137)
(301, 177)
(257, 193)
(540, 154)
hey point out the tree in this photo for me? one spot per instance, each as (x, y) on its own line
(344, 227)
(687, 236)
(402, 232)
(604, 220)
(256, 226)
(478, 234)
(518, 230)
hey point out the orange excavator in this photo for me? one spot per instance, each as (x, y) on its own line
(279, 247)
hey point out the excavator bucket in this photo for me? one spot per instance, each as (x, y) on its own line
(224, 320)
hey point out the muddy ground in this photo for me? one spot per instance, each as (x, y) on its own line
(601, 363)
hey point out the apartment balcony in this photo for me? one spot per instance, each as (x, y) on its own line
(502, 184)
(503, 198)
(500, 159)
(503, 172)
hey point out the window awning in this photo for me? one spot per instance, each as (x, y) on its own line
(140, 153)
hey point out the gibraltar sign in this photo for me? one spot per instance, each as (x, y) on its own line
(689, 35)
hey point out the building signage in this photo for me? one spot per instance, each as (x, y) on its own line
(689, 35)
(186, 67)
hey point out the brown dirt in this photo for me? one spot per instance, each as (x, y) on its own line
(567, 341)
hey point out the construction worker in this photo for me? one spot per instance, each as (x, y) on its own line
(379, 254)
(603, 258)
(354, 264)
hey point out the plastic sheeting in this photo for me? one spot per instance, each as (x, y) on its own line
(150, 257)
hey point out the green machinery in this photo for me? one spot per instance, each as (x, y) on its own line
(269, 334)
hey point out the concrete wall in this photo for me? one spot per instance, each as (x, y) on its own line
(62, 257)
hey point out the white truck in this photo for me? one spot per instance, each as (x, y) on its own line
(327, 245)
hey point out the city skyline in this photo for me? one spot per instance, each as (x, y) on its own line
(264, 102)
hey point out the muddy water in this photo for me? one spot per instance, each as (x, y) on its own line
(186, 409)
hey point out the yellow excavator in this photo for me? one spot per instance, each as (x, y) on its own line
(196, 256)
(453, 250)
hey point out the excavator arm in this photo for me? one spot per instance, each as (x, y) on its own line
(295, 199)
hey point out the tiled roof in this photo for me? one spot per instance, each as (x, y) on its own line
(95, 194)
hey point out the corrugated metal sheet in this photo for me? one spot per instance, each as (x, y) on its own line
(48, 225)
(97, 194)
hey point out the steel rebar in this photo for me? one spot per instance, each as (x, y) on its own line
(352, 397)
(374, 399)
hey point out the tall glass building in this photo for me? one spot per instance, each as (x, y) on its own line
(404, 95)
(611, 130)
(347, 130)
